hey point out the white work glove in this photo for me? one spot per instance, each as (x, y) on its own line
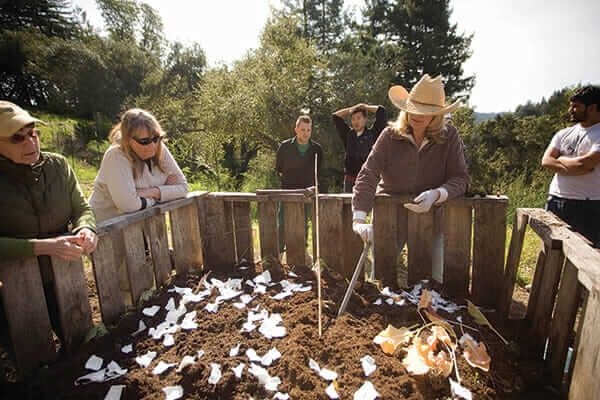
(424, 201)
(365, 231)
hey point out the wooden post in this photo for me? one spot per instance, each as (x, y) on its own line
(26, 313)
(488, 252)
(187, 243)
(352, 244)
(267, 226)
(138, 271)
(536, 284)
(512, 262)
(561, 327)
(243, 231)
(218, 252)
(107, 281)
(74, 309)
(420, 237)
(159, 246)
(331, 232)
(538, 318)
(385, 240)
(457, 250)
(585, 383)
(294, 233)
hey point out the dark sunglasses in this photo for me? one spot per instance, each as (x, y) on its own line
(147, 141)
(16, 138)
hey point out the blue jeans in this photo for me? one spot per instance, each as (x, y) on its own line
(582, 215)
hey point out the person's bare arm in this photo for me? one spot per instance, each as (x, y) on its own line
(348, 110)
(570, 166)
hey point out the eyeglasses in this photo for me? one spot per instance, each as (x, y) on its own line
(147, 141)
(17, 139)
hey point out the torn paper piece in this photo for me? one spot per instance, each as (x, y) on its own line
(162, 329)
(388, 293)
(150, 311)
(269, 382)
(181, 291)
(264, 278)
(162, 367)
(212, 307)
(168, 340)
(238, 370)
(174, 315)
(366, 392)
(313, 365)
(282, 295)
(304, 289)
(252, 356)
(234, 350)
(248, 327)
(460, 391)
(328, 374)
(127, 349)
(260, 289)
(173, 392)
(368, 364)
(189, 321)
(170, 304)
(112, 371)
(196, 298)
(146, 359)
(293, 275)
(227, 294)
(185, 361)
(378, 302)
(141, 328)
(200, 353)
(270, 329)
(281, 396)
(270, 356)
(115, 392)
(250, 283)
(239, 306)
(390, 301)
(94, 363)
(215, 374)
(330, 391)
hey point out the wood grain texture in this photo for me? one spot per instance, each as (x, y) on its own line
(489, 243)
(216, 250)
(107, 281)
(331, 233)
(458, 220)
(187, 244)
(267, 228)
(512, 262)
(74, 309)
(385, 238)
(26, 313)
(295, 246)
(243, 231)
(139, 271)
(352, 244)
(420, 236)
(156, 229)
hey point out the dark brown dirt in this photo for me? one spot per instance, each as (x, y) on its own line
(345, 340)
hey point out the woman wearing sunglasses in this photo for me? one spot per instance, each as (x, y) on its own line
(137, 170)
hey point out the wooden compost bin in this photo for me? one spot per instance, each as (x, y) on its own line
(214, 231)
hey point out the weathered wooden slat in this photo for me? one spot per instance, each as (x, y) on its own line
(352, 244)
(457, 250)
(561, 327)
(538, 275)
(159, 246)
(540, 316)
(106, 275)
(585, 383)
(420, 236)
(488, 253)
(215, 249)
(331, 233)
(512, 262)
(295, 247)
(138, 270)
(26, 313)
(187, 244)
(267, 227)
(229, 238)
(74, 309)
(243, 231)
(385, 237)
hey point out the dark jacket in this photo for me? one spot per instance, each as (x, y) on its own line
(297, 170)
(39, 201)
(358, 148)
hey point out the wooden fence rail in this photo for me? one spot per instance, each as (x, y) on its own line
(214, 231)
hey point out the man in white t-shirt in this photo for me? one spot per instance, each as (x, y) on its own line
(574, 156)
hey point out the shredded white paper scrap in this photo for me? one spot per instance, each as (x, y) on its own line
(170, 304)
(94, 363)
(269, 382)
(366, 392)
(252, 356)
(168, 340)
(200, 353)
(115, 392)
(460, 391)
(330, 391)
(112, 371)
(127, 348)
(173, 392)
(146, 359)
(185, 361)
(212, 307)
(368, 364)
(141, 328)
(270, 356)
(215, 374)
(378, 302)
(270, 329)
(238, 370)
(162, 367)
(150, 311)
(281, 396)
(234, 350)
(325, 373)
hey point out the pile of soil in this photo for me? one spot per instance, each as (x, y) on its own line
(344, 342)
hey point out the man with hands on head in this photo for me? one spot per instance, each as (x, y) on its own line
(358, 140)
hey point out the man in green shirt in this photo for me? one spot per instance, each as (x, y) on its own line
(295, 163)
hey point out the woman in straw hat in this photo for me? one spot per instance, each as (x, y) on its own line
(420, 154)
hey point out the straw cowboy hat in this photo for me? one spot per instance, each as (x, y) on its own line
(13, 118)
(427, 97)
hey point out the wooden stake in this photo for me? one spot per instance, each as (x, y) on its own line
(316, 227)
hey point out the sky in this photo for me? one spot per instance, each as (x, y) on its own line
(522, 49)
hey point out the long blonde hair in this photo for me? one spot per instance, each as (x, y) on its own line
(433, 132)
(131, 121)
